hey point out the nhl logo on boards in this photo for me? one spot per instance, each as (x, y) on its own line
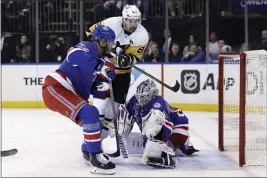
(190, 80)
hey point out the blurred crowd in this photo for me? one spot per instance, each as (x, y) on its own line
(193, 52)
(59, 27)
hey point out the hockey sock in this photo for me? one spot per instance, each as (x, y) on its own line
(91, 129)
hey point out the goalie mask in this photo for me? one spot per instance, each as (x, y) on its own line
(146, 91)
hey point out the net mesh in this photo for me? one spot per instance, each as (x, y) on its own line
(255, 105)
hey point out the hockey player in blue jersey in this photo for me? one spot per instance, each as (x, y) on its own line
(68, 89)
(164, 128)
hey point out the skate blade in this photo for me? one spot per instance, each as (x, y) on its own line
(160, 165)
(95, 170)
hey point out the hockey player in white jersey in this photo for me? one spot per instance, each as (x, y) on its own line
(164, 128)
(131, 41)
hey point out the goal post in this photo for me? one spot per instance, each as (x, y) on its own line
(242, 102)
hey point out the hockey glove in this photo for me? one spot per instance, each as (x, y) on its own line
(98, 90)
(106, 69)
(125, 60)
(119, 49)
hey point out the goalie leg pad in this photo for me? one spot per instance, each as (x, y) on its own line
(160, 162)
(158, 153)
(134, 143)
(125, 123)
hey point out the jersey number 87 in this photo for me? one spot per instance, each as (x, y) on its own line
(141, 49)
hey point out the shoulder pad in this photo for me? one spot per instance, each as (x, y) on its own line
(114, 23)
(140, 36)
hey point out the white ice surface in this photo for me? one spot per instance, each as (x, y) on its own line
(49, 145)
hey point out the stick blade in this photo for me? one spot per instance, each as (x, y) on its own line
(9, 152)
(114, 155)
(176, 87)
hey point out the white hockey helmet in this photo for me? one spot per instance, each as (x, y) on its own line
(131, 12)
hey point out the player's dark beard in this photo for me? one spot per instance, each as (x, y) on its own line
(107, 51)
(127, 32)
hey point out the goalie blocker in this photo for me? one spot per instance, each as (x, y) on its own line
(164, 129)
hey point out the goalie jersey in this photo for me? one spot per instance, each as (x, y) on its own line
(176, 121)
(134, 42)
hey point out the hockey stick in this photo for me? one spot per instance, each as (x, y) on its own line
(119, 140)
(175, 88)
(9, 152)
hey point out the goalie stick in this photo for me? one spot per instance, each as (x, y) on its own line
(121, 148)
(175, 88)
(9, 152)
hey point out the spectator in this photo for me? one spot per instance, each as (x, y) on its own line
(150, 42)
(99, 10)
(243, 47)
(108, 4)
(154, 54)
(213, 47)
(263, 44)
(192, 40)
(2, 42)
(62, 49)
(194, 55)
(223, 48)
(121, 4)
(174, 55)
(23, 51)
(169, 42)
(171, 7)
(145, 5)
(56, 49)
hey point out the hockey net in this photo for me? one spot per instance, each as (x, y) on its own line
(243, 106)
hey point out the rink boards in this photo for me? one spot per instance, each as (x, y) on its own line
(21, 85)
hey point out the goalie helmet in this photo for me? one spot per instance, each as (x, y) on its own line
(146, 91)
